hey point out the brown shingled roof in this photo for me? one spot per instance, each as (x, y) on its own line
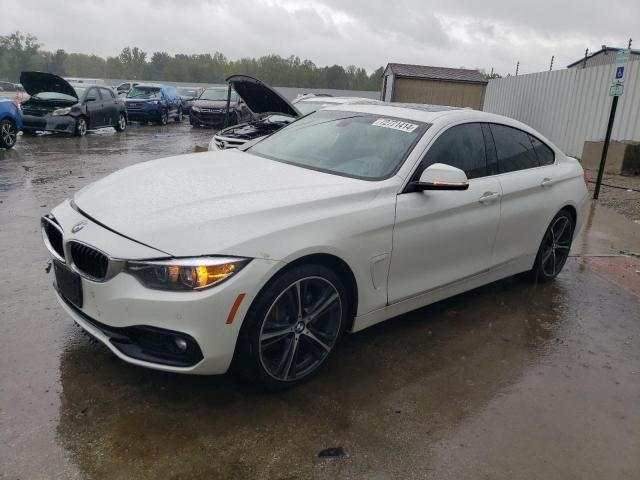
(437, 73)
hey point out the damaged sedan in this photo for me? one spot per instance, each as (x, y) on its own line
(210, 108)
(60, 107)
(260, 259)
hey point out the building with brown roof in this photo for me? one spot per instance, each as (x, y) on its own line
(456, 87)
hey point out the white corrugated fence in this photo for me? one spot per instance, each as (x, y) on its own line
(569, 106)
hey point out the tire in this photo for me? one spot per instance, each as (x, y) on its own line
(121, 124)
(554, 248)
(179, 116)
(282, 344)
(81, 127)
(164, 118)
(8, 133)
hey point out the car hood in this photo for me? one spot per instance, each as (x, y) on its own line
(226, 202)
(36, 82)
(213, 103)
(261, 98)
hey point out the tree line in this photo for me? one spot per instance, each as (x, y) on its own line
(22, 51)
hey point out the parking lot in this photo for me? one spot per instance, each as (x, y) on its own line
(511, 380)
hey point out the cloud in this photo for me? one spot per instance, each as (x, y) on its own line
(488, 34)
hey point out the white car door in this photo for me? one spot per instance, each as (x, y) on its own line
(526, 175)
(441, 237)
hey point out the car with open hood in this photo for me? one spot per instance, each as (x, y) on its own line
(273, 111)
(210, 108)
(58, 106)
(262, 257)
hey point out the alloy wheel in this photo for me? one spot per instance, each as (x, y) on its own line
(557, 244)
(8, 133)
(81, 127)
(300, 328)
(164, 119)
(122, 122)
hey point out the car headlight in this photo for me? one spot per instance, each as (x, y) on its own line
(154, 102)
(185, 273)
(195, 109)
(62, 111)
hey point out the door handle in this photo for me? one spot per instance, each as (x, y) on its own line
(546, 182)
(489, 197)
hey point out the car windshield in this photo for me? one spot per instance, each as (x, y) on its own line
(80, 91)
(188, 92)
(218, 94)
(359, 145)
(144, 92)
(309, 107)
(55, 96)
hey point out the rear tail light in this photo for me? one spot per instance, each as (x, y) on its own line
(585, 175)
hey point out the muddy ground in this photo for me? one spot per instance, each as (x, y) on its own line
(512, 380)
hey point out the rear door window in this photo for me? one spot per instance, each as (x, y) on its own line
(461, 146)
(544, 153)
(513, 148)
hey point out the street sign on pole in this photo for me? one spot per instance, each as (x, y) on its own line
(623, 55)
(616, 89)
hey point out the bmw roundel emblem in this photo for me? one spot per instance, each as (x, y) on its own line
(78, 226)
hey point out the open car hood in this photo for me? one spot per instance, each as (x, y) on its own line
(36, 82)
(261, 98)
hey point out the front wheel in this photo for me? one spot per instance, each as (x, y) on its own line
(164, 117)
(121, 125)
(555, 247)
(81, 127)
(179, 116)
(8, 133)
(292, 328)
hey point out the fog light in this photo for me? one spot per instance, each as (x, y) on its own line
(181, 343)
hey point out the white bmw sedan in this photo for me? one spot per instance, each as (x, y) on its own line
(261, 258)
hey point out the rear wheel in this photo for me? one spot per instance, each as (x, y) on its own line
(121, 125)
(179, 116)
(81, 127)
(555, 247)
(292, 328)
(8, 133)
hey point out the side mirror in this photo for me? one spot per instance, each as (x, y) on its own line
(91, 99)
(441, 177)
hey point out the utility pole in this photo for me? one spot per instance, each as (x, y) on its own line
(517, 67)
(551, 65)
(586, 55)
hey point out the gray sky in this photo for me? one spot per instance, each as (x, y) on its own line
(367, 33)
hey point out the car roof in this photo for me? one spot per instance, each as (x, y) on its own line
(435, 114)
(336, 100)
(151, 85)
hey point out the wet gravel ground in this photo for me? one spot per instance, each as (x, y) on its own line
(621, 193)
(512, 380)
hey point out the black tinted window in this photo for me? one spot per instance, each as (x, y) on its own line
(545, 154)
(462, 147)
(514, 149)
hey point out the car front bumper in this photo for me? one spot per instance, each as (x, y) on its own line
(121, 305)
(49, 123)
(213, 119)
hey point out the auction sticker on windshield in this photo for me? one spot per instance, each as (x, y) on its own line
(395, 124)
